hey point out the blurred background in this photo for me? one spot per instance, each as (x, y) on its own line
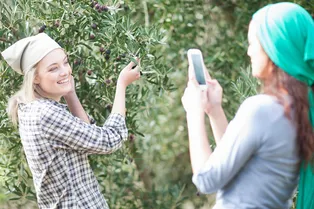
(152, 170)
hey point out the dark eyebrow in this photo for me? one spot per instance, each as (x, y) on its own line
(66, 57)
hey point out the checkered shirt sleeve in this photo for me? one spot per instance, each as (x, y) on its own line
(69, 132)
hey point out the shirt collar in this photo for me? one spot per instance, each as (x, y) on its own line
(58, 104)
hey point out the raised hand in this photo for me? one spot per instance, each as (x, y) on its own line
(214, 97)
(192, 99)
(129, 75)
(208, 100)
(72, 92)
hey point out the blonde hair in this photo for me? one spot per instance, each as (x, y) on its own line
(25, 95)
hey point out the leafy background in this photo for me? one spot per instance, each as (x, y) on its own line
(152, 170)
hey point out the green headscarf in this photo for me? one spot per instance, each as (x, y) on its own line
(286, 33)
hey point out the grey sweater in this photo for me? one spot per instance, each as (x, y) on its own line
(256, 163)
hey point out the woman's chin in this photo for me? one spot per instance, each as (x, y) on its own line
(65, 93)
(66, 90)
(255, 73)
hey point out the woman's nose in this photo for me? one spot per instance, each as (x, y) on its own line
(64, 72)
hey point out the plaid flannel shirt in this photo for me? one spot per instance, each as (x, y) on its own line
(57, 146)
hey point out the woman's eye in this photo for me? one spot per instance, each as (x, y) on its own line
(53, 69)
(66, 62)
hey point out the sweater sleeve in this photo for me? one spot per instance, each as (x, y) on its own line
(240, 141)
(65, 131)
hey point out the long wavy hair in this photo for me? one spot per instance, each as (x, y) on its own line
(292, 93)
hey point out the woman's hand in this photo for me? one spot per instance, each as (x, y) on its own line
(214, 97)
(72, 91)
(129, 75)
(208, 100)
(194, 98)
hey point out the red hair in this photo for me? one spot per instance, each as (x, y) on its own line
(292, 93)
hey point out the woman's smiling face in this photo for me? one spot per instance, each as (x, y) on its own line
(54, 74)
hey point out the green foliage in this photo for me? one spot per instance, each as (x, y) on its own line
(152, 169)
(246, 85)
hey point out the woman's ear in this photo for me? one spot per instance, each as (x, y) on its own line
(270, 67)
(36, 79)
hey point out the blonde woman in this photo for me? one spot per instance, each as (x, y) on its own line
(57, 142)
